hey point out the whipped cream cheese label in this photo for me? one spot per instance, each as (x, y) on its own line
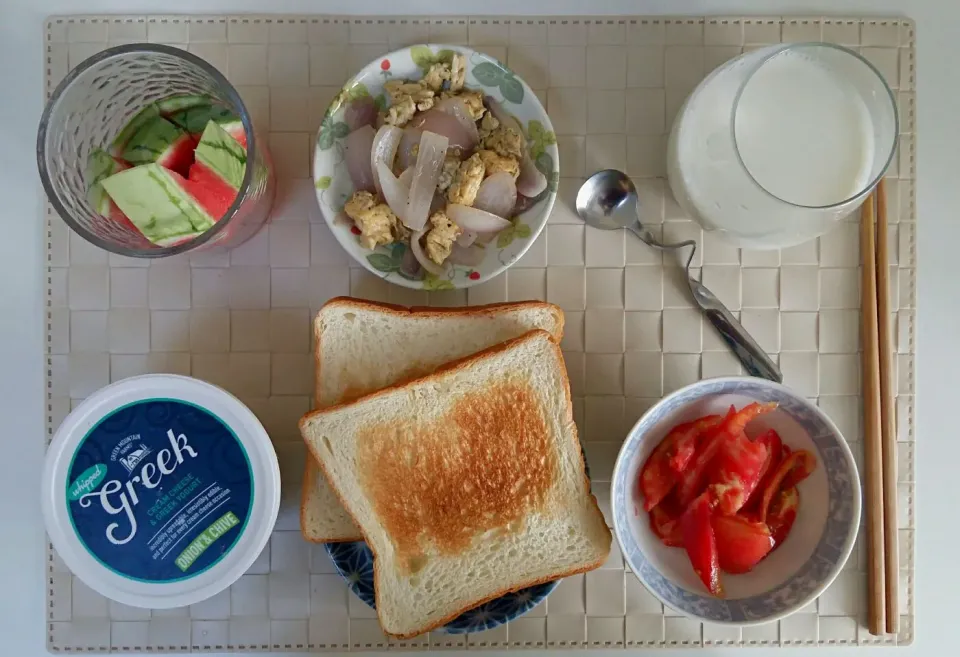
(159, 490)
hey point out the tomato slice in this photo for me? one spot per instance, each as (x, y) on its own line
(694, 477)
(741, 543)
(736, 472)
(792, 470)
(665, 523)
(774, 445)
(685, 441)
(658, 475)
(783, 513)
(700, 542)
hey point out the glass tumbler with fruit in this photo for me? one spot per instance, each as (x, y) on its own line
(148, 151)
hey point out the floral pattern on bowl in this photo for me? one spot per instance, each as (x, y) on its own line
(334, 187)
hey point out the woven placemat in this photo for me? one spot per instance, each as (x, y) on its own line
(612, 86)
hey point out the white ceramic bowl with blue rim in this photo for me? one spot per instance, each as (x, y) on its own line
(334, 187)
(798, 570)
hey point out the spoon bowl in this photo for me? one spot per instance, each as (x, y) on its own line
(608, 200)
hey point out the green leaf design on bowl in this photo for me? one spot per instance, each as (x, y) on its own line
(539, 138)
(489, 74)
(434, 283)
(330, 132)
(323, 182)
(383, 262)
(512, 89)
(358, 90)
(544, 164)
(507, 235)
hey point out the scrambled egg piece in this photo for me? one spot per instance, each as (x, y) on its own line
(441, 237)
(377, 222)
(450, 165)
(474, 103)
(465, 184)
(401, 92)
(397, 89)
(401, 112)
(488, 124)
(436, 76)
(458, 72)
(505, 141)
(494, 163)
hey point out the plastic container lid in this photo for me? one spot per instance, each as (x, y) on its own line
(160, 491)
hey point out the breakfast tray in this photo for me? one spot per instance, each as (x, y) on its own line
(242, 319)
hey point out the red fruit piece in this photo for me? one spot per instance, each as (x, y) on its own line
(657, 477)
(686, 437)
(212, 192)
(694, 477)
(736, 472)
(771, 439)
(741, 543)
(782, 514)
(700, 542)
(791, 471)
(665, 523)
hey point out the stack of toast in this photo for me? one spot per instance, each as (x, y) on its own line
(445, 439)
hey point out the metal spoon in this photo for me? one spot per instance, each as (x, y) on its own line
(608, 200)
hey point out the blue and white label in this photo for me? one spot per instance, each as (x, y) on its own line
(159, 490)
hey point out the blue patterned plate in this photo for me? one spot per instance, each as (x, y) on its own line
(817, 546)
(354, 561)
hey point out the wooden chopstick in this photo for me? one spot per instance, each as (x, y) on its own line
(873, 475)
(888, 431)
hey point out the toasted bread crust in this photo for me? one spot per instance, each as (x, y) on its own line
(450, 367)
(310, 472)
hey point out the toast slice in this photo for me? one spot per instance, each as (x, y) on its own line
(467, 484)
(362, 346)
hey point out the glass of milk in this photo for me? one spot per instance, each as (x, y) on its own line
(774, 147)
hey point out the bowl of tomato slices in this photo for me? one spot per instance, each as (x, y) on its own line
(735, 501)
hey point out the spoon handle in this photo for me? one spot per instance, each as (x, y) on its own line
(754, 359)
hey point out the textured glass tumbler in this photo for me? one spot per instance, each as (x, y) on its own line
(97, 99)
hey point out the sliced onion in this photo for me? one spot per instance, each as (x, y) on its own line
(406, 177)
(485, 238)
(468, 256)
(524, 203)
(458, 109)
(384, 149)
(476, 220)
(497, 195)
(425, 262)
(406, 153)
(531, 181)
(357, 147)
(409, 266)
(467, 238)
(395, 193)
(360, 112)
(433, 150)
(444, 124)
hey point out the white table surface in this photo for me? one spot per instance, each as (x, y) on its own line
(22, 615)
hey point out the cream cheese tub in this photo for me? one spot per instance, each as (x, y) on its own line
(160, 491)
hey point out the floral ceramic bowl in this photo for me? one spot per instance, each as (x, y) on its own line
(334, 187)
(814, 551)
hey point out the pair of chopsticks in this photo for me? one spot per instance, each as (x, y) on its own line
(879, 429)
